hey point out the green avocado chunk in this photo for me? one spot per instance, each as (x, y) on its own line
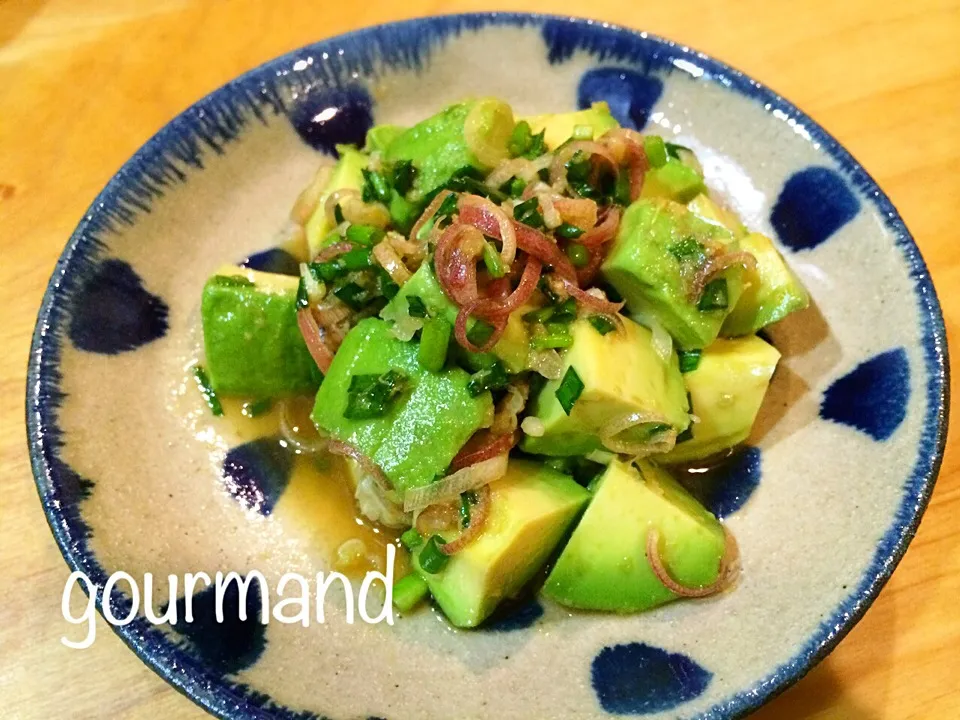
(658, 246)
(513, 346)
(705, 208)
(772, 291)
(604, 566)
(347, 175)
(557, 128)
(438, 146)
(251, 340)
(380, 136)
(726, 391)
(422, 429)
(674, 181)
(531, 509)
(622, 375)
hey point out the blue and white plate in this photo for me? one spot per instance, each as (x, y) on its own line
(131, 467)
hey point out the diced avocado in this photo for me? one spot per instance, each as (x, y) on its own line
(438, 146)
(604, 565)
(673, 181)
(558, 127)
(771, 292)
(621, 375)
(422, 430)
(513, 346)
(252, 343)
(380, 136)
(347, 175)
(726, 391)
(705, 208)
(532, 507)
(659, 244)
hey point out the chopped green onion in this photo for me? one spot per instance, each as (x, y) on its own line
(327, 271)
(578, 254)
(565, 312)
(479, 332)
(402, 176)
(492, 260)
(375, 187)
(367, 235)
(554, 336)
(582, 132)
(687, 249)
(538, 146)
(303, 300)
(409, 591)
(528, 212)
(602, 323)
(416, 307)
(255, 408)
(338, 214)
(685, 435)
(411, 539)
(369, 396)
(621, 189)
(385, 284)
(520, 139)
(673, 150)
(466, 500)
(568, 392)
(578, 166)
(540, 315)
(689, 360)
(357, 259)
(206, 389)
(353, 296)
(516, 187)
(432, 558)
(488, 378)
(714, 295)
(434, 341)
(231, 281)
(448, 206)
(568, 231)
(655, 150)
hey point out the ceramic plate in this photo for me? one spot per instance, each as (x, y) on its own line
(135, 475)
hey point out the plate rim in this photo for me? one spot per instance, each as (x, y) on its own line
(220, 697)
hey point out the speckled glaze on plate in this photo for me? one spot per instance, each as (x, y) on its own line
(130, 468)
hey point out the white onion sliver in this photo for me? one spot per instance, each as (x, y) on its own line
(547, 363)
(452, 486)
(551, 218)
(389, 260)
(316, 290)
(533, 426)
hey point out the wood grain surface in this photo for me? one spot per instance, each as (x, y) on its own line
(83, 83)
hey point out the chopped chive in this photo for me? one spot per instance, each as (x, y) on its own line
(578, 254)
(582, 132)
(656, 150)
(327, 271)
(303, 300)
(402, 176)
(375, 187)
(621, 189)
(370, 396)
(479, 332)
(416, 307)
(409, 591)
(338, 213)
(357, 259)
(565, 312)
(673, 150)
(424, 232)
(528, 212)
(255, 408)
(232, 281)
(568, 392)
(689, 360)
(488, 378)
(714, 295)
(520, 139)
(367, 235)
(467, 499)
(686, 434)
(492, 260)
(448, 206)
(434, 341)
(411, 539)
(516, 187)
(555, 336)
(537, 147)
(603, 324)
(353, 296)
(206, 389)
(568, 231)
(385, 284)
(432, 558)
(687, 249)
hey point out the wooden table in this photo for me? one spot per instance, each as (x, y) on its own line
(84, 82)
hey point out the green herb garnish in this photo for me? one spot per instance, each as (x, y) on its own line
(528, 212)
(353, 296)
(303, 300)
(656, 150)
(256, 408)
(715, 296)
(357, 259)
(467, 500)
(432, 559)
(402, 176)
(370, 396)
(687, 249)
(568, 392)
(488, 378)
(578, 254)
(685, 435)
(375, 187)
(409, 591)
(492, 260)
(689, 360)
(674, 150)
(603, 324)
(520, 139)
(479, 333)
(416, 307)
(206, 389)
(621, 188)
(411, 539)
(553, 336)
(568, 231)
(366, 235)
